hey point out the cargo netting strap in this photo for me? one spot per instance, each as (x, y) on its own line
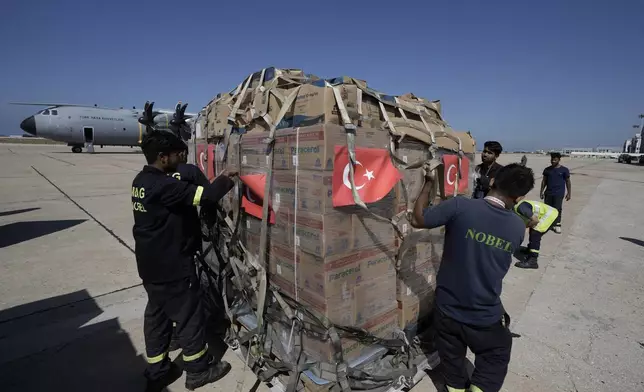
(240, 97)
(263, 240)
(322, 329)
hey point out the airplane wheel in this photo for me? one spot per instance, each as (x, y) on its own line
(76, 149)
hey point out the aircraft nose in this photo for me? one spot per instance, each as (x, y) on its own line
(29, 125)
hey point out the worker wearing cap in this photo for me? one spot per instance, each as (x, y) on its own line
(165, 264)
(487, 169)
(481, 236)
(539, 217)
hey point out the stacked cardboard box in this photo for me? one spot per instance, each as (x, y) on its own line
(340, 262)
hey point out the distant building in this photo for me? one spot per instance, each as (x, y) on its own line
(569, 150)
(608, 149)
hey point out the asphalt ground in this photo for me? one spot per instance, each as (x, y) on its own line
(71, 303)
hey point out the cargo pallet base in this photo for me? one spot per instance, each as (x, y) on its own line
(310, 382)
(378, 366)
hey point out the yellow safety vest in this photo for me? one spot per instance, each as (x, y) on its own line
(544, 212)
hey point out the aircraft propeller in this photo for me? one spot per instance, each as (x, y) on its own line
(147, 118)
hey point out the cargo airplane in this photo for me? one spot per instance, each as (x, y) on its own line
(86, 126)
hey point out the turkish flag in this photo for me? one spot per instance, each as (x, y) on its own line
(450, 168)
(253, 196)
(374, 175)
(211, 162)
(201, 158)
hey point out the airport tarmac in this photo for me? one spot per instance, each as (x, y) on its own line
(71, 303)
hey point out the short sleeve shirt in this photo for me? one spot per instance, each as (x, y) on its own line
(480, 240)
(556, 180)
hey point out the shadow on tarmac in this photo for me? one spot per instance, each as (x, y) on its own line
(17, 232)
(633, 240)
(58, 348)
(21, 211)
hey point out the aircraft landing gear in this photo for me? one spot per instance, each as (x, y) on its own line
(77, 149)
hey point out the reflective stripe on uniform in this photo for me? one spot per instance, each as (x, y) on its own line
(194, 357)
(544, 212)
(546, 220)
(157, 359)
(197, 200)
(474, 388)
(450, 389)
(534, 251)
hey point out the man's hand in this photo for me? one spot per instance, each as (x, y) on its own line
(534, 221)
(568, 196)
(230, 174)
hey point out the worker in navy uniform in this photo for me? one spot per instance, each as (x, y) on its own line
(165, 263)
(555, 185)
(193, 175)
(486, 170)
(481, 236)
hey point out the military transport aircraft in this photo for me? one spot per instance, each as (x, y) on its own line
(87, 126)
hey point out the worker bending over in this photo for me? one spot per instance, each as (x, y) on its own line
(481, 236)
(165, 263)
(539, 217)
(556, 179)
(487, 169)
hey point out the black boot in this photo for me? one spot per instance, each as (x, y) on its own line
(530, 263)
(215, 372)
(157, 385)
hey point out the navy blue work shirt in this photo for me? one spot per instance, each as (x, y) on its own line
(556, 180)
(480, 240)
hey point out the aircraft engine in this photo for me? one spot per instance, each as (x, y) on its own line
(176, 123)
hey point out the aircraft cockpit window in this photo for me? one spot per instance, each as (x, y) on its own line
(45, 112)
(54, 112)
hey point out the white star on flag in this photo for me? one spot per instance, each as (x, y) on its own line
(369, 175)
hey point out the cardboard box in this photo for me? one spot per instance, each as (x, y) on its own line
(267, 103)
(314, 191)
(382, 325)
(413, 308)
(322, 235)
(254, 151)
(347, 289)
(415, 281)
(368, 230)
(313, 147)
(279, 231)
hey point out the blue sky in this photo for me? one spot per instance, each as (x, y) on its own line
(530, 74)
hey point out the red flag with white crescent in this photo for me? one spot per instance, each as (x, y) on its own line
(253, 196)
(374, 175)
(450, 164)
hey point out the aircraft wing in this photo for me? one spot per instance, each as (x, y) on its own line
(172, 112)
(45, 104)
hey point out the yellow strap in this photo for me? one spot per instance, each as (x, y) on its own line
(194, 357)
(474, 388)
(157, 359)
(197, 199)
(450, 389)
